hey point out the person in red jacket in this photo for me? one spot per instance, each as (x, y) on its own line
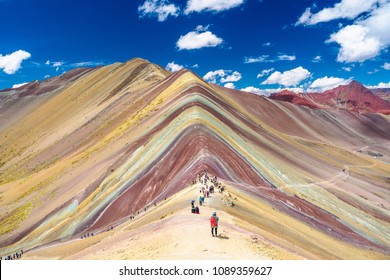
(214, 224)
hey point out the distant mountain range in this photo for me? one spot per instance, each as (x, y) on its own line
(352, 97)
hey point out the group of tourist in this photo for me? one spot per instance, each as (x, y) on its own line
(14, 256)
(205, 191)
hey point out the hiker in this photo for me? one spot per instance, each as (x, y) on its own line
(196, 210)
(214, 224)
(200, 200)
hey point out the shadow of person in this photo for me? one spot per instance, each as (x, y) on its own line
(220, 236)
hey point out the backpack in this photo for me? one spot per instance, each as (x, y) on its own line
(213, 221)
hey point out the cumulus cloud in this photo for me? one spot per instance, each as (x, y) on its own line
(224, 76)
(229, 85)
(356, 43)
(349, 9)
(348, 69)
(211, 5)
(288, 78)
(254, 90)
(366, 37)
(162, 9)
(197, 39)
(269, 91)
(325, 83)
(173, 67)
(265, 72)
(233, 77)
(386, 66)
(11, 63)
(380, 85)
(19, 85)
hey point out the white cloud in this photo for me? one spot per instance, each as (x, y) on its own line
(269, 91)
(325, 83)
(349, 9)
(55, 64)
(356, 44)
(229, 85)
(173, 67)
(212, 76)
(266, 58)
(366, 37)
(253, 90)
(286, 57)
(288, 78)
(200, 38)
(317, 59)
(224, 76)
(348, 69)
(195, 66)
(386, 66)
(162, 9)
(262, 58)
(380, 85)
(10, 63)
(234, 77)
(265, 72)
(19, 85)
(267, 44)
(84, 64)
(211, 5)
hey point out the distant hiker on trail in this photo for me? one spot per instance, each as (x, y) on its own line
(196, 209)
(214, 224)
(200, 200)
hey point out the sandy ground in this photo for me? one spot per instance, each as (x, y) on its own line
(170, 232)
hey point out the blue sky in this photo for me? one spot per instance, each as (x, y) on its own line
(257, 45)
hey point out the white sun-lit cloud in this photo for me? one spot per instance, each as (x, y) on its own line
(380, 85)
(211, 5)
(11, 63)
(366, 37)
(386, 66)
(269, 91)
(288, 78)
(265, 72)
(356, 44)
(325, 83)
(233, 77)
(229, 85)
(173, 67)
(262, 58)
(266, 58)
(286, 57)
(18, 85)
(317, 59)
(348, 69)
(223, 76)
(201, 37)
(349, 9)
(55, 64)
(162, 9)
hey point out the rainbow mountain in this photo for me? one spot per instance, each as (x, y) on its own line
(115, 150)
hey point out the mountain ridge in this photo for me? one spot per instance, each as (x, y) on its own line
(85, 159)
